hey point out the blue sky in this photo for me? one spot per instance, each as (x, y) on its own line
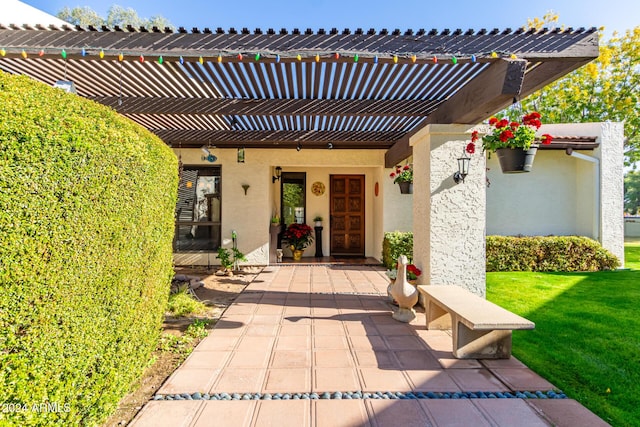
(403, 14)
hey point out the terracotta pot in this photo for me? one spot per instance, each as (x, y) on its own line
(516, 160)
(406, 187)
(297, 254)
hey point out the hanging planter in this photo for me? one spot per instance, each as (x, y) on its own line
(406, 187)
(515, 143)
(403, 176)
(516, 160)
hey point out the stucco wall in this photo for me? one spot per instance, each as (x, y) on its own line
(632, 226)
(541, 202)
(250, 215)
(611, 153)
(398, 207)
(449, 218)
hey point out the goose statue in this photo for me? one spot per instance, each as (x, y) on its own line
(405, 294)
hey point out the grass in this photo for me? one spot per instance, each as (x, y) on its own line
(183, 344)
(182, 304)
(587, 336)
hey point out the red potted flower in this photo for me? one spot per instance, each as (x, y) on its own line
(403, 176)
(515, 143)
(298, 236)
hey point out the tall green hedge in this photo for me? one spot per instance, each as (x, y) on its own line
(551, 253)
(396, 243)
(86, 224)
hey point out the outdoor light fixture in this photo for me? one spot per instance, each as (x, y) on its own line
(299, 146)
(208, 155)
(329, 146)
(278, 175)
(65, 85)
(463, 169)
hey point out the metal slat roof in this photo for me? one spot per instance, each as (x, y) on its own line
(355, 89)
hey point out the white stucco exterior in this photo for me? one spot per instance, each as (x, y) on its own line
(632, 226)
(250, 214)
(564, 195)
(400, 218)
(448, 218)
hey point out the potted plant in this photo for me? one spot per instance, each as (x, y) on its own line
(298, 236)
(318, 220)
(275, 224)
(514, 142)
(403, 176)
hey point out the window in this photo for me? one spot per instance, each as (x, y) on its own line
(293, 197)
(198, 210)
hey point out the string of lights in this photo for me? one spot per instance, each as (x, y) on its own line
(400, 58)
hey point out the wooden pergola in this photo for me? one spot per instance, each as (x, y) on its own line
(278, 89)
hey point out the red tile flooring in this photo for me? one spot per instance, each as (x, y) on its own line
(327, 328)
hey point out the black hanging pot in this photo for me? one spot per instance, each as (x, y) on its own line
(516, 160)
(406, 187)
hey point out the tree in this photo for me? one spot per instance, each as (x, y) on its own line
(632, 193)
(117, 15)
(82, 16)
(605, 89)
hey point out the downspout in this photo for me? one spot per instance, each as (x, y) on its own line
(596, 164)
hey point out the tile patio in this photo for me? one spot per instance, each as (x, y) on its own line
(327, 328)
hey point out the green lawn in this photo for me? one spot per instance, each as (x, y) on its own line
(587, 336)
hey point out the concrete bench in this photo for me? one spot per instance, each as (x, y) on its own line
(480, 329)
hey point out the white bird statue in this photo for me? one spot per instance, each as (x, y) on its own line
(405, 294)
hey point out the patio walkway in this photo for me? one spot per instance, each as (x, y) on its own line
(316, 346)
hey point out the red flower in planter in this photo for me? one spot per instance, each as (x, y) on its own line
(546, 138)
(413, 272)
(299, 236)
(506, 134)
(402, 174)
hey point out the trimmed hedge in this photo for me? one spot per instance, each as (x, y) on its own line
(86, 224)
(396, 243)
(552, 253)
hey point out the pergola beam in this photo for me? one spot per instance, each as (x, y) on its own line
(545, 73)
(488, 93)
(270, 139)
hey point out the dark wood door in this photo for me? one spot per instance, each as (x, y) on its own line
(347, 214)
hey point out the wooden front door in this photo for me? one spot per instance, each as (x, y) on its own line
(347, 215)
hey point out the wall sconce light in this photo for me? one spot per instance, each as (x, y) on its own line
(299, 146)
(278, 175)
(463, 169)
(329, 146)
(245, 187)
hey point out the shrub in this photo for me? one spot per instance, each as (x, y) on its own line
(86, 225)
(396, 243)
(552, 253)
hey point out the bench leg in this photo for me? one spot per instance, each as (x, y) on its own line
(489, 344)
(437, 318)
